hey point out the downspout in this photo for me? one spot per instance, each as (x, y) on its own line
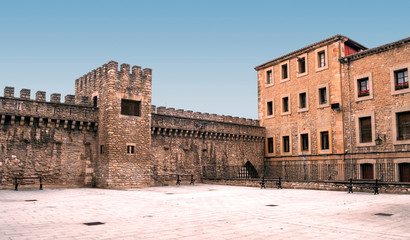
(346, 60)
(350, 116)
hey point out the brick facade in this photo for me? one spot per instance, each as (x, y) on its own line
(346, 72)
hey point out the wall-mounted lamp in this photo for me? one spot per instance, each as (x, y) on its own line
(378, 140)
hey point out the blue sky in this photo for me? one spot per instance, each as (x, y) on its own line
(202, 52)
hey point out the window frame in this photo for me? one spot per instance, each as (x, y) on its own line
(131, 146)
(319, 141)
(395, 126)
(393, 78)
(358, 116)
(282, 152)
(301, 151)
(283, 113)
(267, 153)
(301, 74)
(369, 76)
(265, 77)
(306, 91)
(267, 109)
(318, 68)
(282, 80)
(319, 104)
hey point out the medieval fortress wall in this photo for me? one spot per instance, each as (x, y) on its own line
(49, 139)
(89, 141)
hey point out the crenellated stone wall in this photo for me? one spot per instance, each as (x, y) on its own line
(183, 142)
(90, 141)
(49, 139)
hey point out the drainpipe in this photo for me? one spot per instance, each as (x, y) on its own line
(350, 116)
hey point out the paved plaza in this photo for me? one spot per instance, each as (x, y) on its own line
(202, 212)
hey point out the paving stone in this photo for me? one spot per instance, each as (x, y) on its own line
(194, 212)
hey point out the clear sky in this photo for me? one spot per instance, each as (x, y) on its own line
(202, 53)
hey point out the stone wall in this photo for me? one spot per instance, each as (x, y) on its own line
(49, 139)
(184, 142)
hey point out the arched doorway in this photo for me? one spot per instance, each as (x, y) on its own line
(248, 171)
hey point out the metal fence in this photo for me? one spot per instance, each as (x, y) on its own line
(309, 170)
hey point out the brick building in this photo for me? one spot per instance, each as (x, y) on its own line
(327, 107)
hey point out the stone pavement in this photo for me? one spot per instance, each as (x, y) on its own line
(202, 212)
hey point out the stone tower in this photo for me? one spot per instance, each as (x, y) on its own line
(124, 131)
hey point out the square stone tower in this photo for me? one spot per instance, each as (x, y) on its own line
(124, 130)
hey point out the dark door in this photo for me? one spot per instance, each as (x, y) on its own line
(404, 169)
(367, 171)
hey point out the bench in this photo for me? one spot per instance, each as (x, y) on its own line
(278, 182)
(366, 183)
(20, 181)
(185, 177)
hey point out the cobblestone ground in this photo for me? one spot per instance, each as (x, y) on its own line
(202, 212)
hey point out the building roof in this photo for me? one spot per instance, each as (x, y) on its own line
(310, 47)
(376, 50)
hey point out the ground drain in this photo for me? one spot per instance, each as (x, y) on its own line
(93, 223)
(384, 214)
(271, 205)
(31, 200)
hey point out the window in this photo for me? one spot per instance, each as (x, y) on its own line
(401, 79)
(269, 77)
(324, 140)
(130, 149)
(403, 126)
(322, 96)
(101, 149)
(302, 65)
(95, 101)
(284, 71)
(270, 145)
(130, 107)
(365, 128)
(363, 87)
(285, 104)
(302, 100)
(286, 144)
(304, 142)
(269, 108)
(322, 59)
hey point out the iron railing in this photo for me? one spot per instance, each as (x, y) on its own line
(303, 170)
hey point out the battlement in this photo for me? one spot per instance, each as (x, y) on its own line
(31, 111)
(203, 116)
(40, 96)
(91, 81)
